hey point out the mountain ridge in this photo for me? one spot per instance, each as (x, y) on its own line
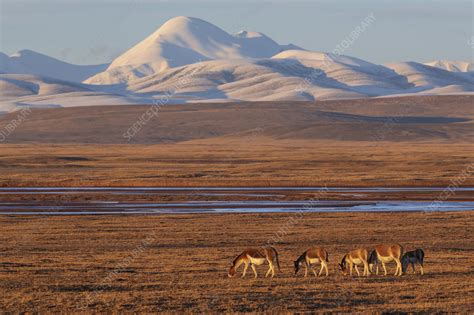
(190, 60)
(27, 61)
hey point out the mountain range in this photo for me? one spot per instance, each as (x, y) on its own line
(190, 60)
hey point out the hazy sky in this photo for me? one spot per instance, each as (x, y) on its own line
(97, 31)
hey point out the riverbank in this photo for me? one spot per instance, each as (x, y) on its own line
(162, 200)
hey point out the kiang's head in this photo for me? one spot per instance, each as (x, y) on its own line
(371, 268)
(231, 271)
(404, 267)
(297, 266)
(343, 265)
(405, 262)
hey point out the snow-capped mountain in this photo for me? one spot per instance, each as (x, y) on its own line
(454, 66)
(182, 41)
(424, 76)
(20, 90)
(31, 62)
(191, 60)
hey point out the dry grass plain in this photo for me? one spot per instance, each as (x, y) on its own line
(96, 264)
(261, 162)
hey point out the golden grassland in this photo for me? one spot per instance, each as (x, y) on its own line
(179, 263)
(259, 161)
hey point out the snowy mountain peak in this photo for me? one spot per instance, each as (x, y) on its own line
(179, 41)
(249, 34)
(182, 41)
(324, 58)
(25, 53)
(241, 34)
(32, 58)
(453, 66)
(185, 30)
(31, 62)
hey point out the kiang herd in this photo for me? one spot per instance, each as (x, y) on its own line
(380, 255)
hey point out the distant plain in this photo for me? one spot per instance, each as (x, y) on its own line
(406, 141)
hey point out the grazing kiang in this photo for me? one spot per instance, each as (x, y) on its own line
(311, 257)
(413, 257)
(255, 257)
(384, 254)
(355, 258)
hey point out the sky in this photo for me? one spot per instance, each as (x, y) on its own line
(92, 32)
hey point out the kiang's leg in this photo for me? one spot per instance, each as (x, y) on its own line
(272, 268)
(245, 269)
(350, 269)
(254, 270)
(366, 268)
(305, 270)
(384, 269)
(268, 272)
(413, 267)
(321, 270)
(398, 272)
(421, 269)
(326, 267)
(357, 270)
(269, 268)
